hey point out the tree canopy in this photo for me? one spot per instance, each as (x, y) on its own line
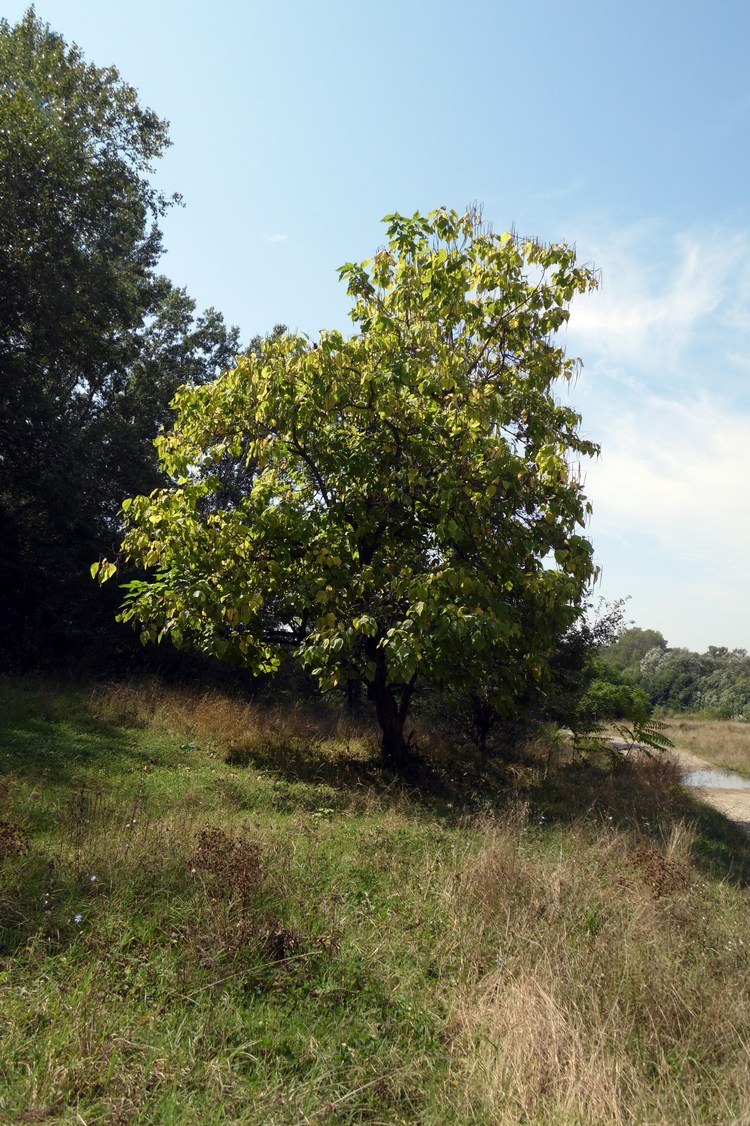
(716, 682)
(629, 649)
(398, 504)
(93, 341)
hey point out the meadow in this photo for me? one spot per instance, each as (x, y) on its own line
(220, 912)
(724, 742)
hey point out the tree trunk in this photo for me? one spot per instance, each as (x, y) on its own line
(392, 744)
(390, 712)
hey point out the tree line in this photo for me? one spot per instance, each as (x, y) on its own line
(716, 682)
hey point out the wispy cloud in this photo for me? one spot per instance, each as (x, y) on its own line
(666, 350)
(670, 524)
(663, 296)
(274, 238)
(678, 473)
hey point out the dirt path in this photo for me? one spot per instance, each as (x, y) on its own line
(734, 804)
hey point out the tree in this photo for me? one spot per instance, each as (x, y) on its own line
(716, 682)
(572, 667)
(631, 647)
(672, 677)
(725, 689)
(409, 504)
(93, 342)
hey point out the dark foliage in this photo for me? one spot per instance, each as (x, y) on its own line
(93, 341)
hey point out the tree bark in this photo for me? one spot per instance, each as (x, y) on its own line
(390, 711)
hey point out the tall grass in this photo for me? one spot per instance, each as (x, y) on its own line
(611, 983)
(213, 912)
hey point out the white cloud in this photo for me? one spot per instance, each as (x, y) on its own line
(274, 238)
(666, 350)
(663, 299)
(665, 347)
(678, 474)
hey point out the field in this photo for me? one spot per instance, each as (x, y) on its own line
(725, 743)
(215, 912)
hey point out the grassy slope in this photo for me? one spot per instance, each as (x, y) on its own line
(217, 914)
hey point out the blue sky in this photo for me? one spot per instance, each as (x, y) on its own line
(622, 128)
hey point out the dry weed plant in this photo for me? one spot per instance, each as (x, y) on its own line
(592, 993)
(237, 919)
(229, 864)
(13, 840)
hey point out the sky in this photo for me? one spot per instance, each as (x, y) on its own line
(621, 128)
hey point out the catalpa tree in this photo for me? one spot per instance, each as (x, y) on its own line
(399, 504)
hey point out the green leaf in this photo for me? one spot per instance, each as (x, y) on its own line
(103, 570)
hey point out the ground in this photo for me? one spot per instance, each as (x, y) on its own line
(734, 804)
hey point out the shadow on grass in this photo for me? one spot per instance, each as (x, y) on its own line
(647, 797)
(317, 766)
(434, 784)
(55, 734)
(642, 796)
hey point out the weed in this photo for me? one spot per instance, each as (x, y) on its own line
(13, 841)
(233, 865)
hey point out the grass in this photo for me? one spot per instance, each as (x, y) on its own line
(218, 913)
(726, 743)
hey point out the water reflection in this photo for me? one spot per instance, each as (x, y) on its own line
(715, 780)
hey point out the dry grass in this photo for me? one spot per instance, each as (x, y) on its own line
(597, 987)
(723, 742)
(242, 730)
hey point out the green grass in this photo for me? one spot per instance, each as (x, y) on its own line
(217, 913)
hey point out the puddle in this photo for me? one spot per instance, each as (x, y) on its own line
(715, 780)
